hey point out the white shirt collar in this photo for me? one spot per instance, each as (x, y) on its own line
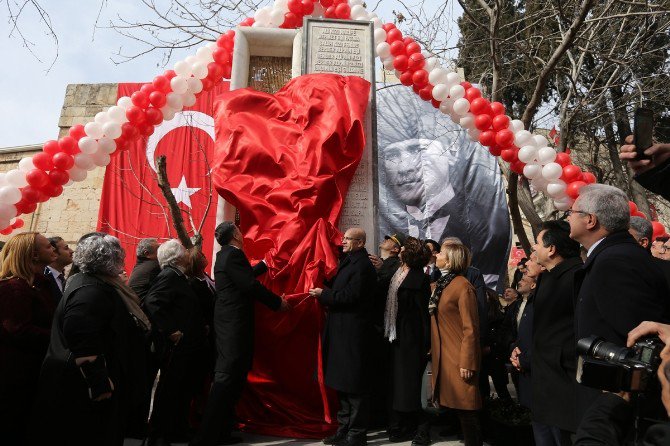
(588, 253)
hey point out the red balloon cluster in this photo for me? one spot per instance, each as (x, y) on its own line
(18, 224)
(657, 227)
(336, 9)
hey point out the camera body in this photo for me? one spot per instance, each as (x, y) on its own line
(607, 366)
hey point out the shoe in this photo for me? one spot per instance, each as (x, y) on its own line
(400, 435)
(422, 438)
(354, 441)
(230, 440)
(335, 439)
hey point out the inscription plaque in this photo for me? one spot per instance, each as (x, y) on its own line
(346, 47)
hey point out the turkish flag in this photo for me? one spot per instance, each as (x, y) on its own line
(132, 206)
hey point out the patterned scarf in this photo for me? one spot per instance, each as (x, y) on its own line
(441, 284)
(391, 312)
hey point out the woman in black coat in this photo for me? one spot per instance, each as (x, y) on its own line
(93, 374)
(407, 327)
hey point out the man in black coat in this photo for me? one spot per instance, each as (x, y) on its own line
(346, 339)
(620, 285)
(55, 272)
(237, 289)
(554, 361)
(146, 269)
(642, 231)
(654, 173)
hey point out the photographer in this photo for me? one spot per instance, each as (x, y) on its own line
(652, 174)
(610, 418)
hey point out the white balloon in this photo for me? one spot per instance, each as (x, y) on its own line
(168, 113)
(111, 129)
(527, 154)
(380, 36)
(546, 155)
(101, 159)
(94, 130)
(194, 85)
(562, 205)
(540, 184)
(101, 117)
(552, 171)
(179, 84)
(440, 92)
(7, 212)
(77, 174)
(200, 70)
(353, 3)
(190, 60)
(461, 106)
(189, 99)
(453, 78)
(204, 53)
(516, 125)
(276, 17)
(540, 141)
(467, 121)
(473, 134)
(125, 102)
(88, 145)
(106, 145)
(376, 21)
(523, 138)
(532, 171)
(26, 164)
(388, 63)
(69, 183)
(447, 107)
(457, 92)
(431, 62)
(84, 161)
(281, 4)
(16, 178)
(117, 114)
(262, 16)
(383, 50)
(182, 68)
(456, 118)
(318, 10)
(4, 224)
(174, 101)
(437, 76)
(3, 180)
(556, 188)
(10, 195)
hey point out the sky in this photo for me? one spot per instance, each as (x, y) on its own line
(32, 90)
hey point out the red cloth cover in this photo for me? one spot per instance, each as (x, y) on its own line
(285, 161)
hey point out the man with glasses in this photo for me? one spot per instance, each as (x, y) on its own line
(660, 248)
(619, 286)
(642, 231)
(347, 338)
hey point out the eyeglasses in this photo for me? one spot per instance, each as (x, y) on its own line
(569, 212)
(344, 237)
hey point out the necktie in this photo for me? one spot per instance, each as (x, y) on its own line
(61, 279)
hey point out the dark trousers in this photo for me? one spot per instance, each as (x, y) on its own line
(354, 414)
(495, 368)
(546, 435)
(219, 417)
(471, 427)
(409, 421)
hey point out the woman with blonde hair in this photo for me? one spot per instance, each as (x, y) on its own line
(456, 351)
(26, 311)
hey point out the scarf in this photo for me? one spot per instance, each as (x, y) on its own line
(442, 283)
(130, 299)
(391, 311)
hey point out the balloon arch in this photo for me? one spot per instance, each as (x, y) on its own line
(60, 163)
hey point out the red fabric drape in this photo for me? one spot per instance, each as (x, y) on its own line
(286, 161)
(132, 206)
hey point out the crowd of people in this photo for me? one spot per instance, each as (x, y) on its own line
(164, 354)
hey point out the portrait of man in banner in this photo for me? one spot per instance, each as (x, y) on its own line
(435, 183)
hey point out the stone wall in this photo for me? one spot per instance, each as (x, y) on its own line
(75, 212)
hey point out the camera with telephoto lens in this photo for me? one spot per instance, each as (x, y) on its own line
(607, 366)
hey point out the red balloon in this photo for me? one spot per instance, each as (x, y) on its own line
(135, 115)
(247, 22)
(77, 132)
(52, 190)
(413, 47)
(658, 230)
(154, 116)
(63, 161)
(329, 13)
(29, 194)
(169, 74)
(509, 155)
(466, 85)
(426, 93)
(227, 40)
(140, 99)
(398, 48)
(129, 131)
(343, 11)
(42, 161)
(25, 207)
(420, 78)
(483, 122)
(504, 137)
(406, 78)
(631, 205)
(221, 56)
(497, 108)
(147, 89)
(407, 40)
(227, 69)
(295, 6)
(162, 83)
(472, 93)
(18, 223)
(146, 129)
(416, 89)
(573, 188)
(639, 214)
(291, 20)
(394, 35)
(59, 177)
(51, 147)
(215, 71)
(495, 150)
(500, 122)
(68, 144)
(435, 102)
(327, 3)
(416, 61)
(157, 99)
(588, 178)
(479, 105)
(563, 159)
(207, 84)
(121, 143)
(487, 138)
(308, 7)
(400, 62)
(517, 167)
(571, 173)
(8, 230)
(386, 26)
(37, 178)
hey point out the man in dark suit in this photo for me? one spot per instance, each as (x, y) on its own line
(237, 289)
(620, 285)
(55, 272)
(346, 343)
(642, 231)
(146, 269)
(554, 361)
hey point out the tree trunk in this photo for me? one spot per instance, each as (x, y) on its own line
(175, 212)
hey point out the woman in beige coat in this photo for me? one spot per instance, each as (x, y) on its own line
(455, 342)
